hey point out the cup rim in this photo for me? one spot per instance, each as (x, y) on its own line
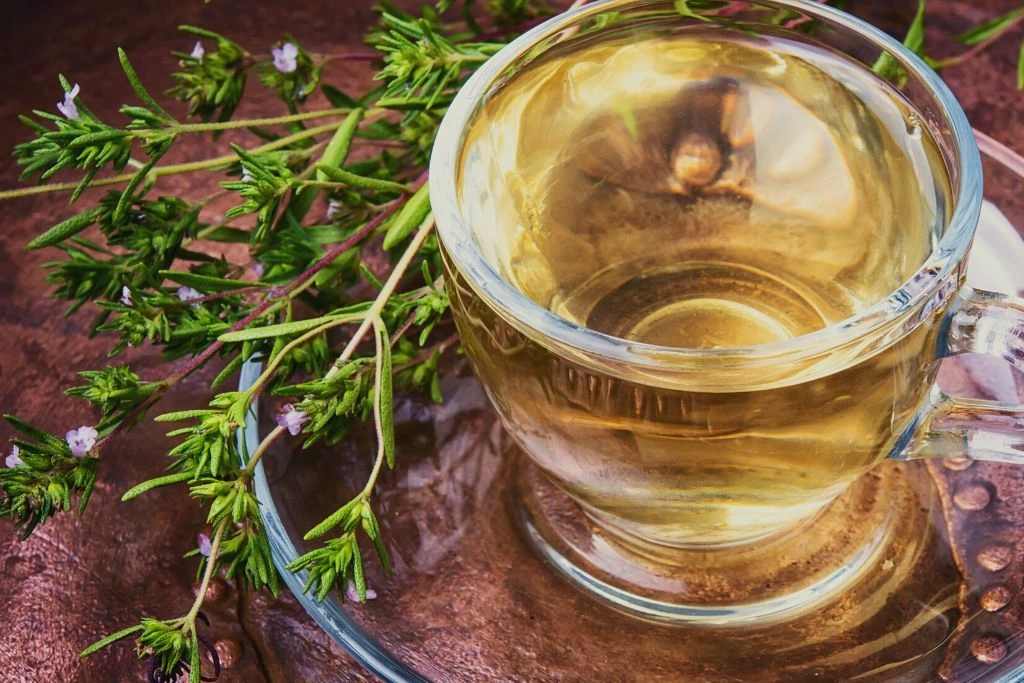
(519, 310)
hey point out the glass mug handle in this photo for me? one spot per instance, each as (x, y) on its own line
(985, 323)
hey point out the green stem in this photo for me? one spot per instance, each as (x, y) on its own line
(211, 566)
(381, 334)
(325, 184)
(270, 438)
(174, 168)
(208, 230)
(384, 295)
(345, 180)
(246, 123)
(292, 345)
(980, 47)
(372, 481)
(373, 313)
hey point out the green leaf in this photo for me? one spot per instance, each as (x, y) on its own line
(139, 489)
(194, 662)
(914, 39)
(340, 175)
(336, 97)
(383, 394)
(983, 32)
(204, 283)
(32, 432)
(225, 234)
(337, 149)
(110, 640)
(128, 195)
(334, 520)
(335, 155)
(184, 415)
(326, 584)
(409, 218)
(139, 89)
(886, 66)
(83, 499)
(98, 138)
(370, 522)
(412, 103)
(83, 184)
(683, 7)
(65, 229)
(357, 572)
(370, 277)
(228, 370)
(1020, 68)
(197, 257)
(200, 32)
(283, 329)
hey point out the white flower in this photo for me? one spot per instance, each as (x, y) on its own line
(67, 107)
(246, 176)
(14, 458)
(259, 268)
(291, 419)
(352, 593)
(197, 52)
(189, 294)
(81, 440)
(286, 58)
(126, 296)
(333, 206)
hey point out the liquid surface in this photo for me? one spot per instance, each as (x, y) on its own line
(704, 190)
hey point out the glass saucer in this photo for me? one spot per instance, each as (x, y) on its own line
(470, 600)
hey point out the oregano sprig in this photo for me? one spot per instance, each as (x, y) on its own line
(331, 237)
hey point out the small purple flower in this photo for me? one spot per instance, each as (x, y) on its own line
(126, 296)
(14, 458)
(189, 294)
(352, 593)
(81, 441)
(286, 58)
(205, 547)
(259, 268)
(198, 52)
(67, 107)
(333, 207)
(291, 419)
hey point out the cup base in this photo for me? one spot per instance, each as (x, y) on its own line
(862, 540)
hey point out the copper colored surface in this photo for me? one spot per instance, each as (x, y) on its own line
(995, 598)
(988, 649)
(470, 601)
(79, 578)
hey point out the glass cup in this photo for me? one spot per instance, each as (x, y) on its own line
(671, 454)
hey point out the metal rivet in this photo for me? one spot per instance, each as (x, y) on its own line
(988, 649)
(995, 598)
(229, 650)
(972, 497)
(957, 464)
(995, 557)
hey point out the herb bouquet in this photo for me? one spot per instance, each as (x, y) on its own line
(330, 238)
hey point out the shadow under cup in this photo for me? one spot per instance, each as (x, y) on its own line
(684, 456)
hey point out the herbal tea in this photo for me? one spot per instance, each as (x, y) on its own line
(700, 190)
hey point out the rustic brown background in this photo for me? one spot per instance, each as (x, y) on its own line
(78, 578)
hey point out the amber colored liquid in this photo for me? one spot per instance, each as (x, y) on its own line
(702, 191)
